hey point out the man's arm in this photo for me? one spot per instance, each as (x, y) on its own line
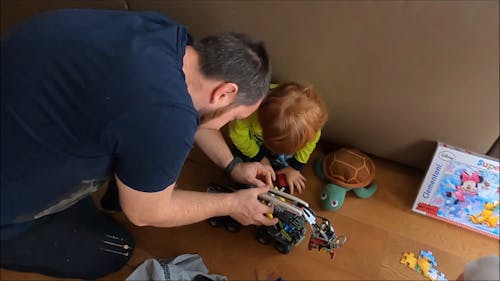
(212, 143)
(171, 207)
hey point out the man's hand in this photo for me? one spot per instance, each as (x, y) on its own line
(294, 179)
(248, 209)
(253, 173)
(267, 164)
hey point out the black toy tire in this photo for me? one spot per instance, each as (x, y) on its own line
(213, 222)
(282, 248)
(262, 236)
(232, 227)
(231, 224)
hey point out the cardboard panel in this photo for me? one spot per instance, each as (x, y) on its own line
(495, 149)
(14, 11)
(396, 75)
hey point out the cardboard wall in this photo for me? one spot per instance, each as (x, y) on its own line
(396, 75)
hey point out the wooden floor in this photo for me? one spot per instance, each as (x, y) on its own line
(379, 230)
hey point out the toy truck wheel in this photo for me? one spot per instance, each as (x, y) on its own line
(282, 248)
(263, 240)
(231, 224)
(262, 236)
(231, 227)
(213, 222)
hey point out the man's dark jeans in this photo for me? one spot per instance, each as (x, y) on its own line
(79, 242)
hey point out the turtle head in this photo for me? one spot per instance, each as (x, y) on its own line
(332, 197)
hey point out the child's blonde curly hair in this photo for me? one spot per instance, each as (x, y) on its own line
(290, 117)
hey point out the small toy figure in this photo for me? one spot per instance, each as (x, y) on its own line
(486, 216)
(345, 169)
(467, 187)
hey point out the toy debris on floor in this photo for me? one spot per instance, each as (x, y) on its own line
(425, 264)
(345, 169)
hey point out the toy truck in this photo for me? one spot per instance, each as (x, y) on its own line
(292, 214)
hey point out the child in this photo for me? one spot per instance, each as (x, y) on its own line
(283, 132)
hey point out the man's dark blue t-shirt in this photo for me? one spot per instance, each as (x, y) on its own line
(86, 94)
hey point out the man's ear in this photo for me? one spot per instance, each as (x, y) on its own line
(224, 93)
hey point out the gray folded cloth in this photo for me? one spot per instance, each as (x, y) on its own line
(184, 267)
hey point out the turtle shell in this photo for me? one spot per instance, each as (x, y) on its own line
(349, 167)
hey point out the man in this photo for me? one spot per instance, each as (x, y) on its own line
(93, 95)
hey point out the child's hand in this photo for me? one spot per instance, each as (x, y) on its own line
(294, 179)
(267, 164)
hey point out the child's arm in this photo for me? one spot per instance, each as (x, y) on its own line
(295, 179)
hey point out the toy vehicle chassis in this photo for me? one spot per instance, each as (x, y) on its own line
(227, 222)
(287, 233)
(292, 213)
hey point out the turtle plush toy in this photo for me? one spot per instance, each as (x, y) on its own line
(345, 169)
